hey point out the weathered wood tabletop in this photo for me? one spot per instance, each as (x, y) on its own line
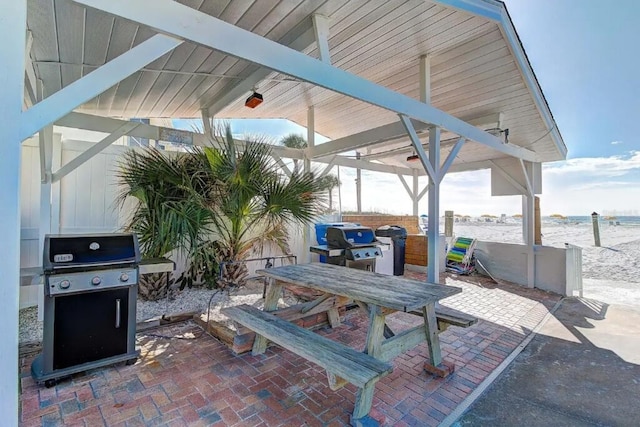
(392, 292)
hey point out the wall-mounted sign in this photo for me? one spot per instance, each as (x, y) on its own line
(175, 136)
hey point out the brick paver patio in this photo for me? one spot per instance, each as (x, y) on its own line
(198, 381)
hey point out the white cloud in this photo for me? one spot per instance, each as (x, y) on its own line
(616, 142)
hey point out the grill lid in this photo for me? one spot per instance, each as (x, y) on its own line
(350, 237)
(89, 250)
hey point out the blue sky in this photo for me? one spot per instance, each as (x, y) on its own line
(586, 56)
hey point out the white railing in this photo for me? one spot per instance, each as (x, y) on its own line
(574, 269)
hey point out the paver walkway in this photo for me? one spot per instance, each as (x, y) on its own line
(200, 381)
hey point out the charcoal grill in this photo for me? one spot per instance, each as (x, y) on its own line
(358, 247)
(90, 290)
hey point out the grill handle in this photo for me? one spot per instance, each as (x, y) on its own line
(117, 313)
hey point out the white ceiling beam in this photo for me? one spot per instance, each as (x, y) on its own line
(321, 30)
(417, 145)
(369, 137)
(328, 168)
(450, 158)
(92, 151)
(406, 186)
(93, 84)
(182, 21)
(282, 164)
(298, 39)
(425, 79)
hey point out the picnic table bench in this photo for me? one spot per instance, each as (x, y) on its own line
(380, 296)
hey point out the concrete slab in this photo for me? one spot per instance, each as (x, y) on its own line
(583, 368)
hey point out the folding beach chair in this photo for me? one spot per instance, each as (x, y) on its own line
(460, 257)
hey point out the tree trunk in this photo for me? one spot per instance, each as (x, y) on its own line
(152, 287)
(330, 199)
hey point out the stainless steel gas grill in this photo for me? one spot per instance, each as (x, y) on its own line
(90, 289)
(353, 247)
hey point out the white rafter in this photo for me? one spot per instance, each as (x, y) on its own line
(93, 84)
(182, 21)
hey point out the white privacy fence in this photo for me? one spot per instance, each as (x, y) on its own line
(82, 202)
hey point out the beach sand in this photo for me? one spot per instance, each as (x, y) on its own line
(611, 273)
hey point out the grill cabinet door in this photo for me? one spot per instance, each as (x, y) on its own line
(85, 327)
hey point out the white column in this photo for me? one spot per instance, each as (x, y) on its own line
(528, 222)
(433, 234)
(358, 187)
(414, 197)
(13, 21)
(45, 137)
(311, 142)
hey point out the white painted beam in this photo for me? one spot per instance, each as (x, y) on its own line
(13, 21)
(406, 186)
(93, 151)
(298, 39)
(423, 192)
(417, 145)
(450, 158)
(425, 79)
(282, 164)
(364, 139)
(93, 84)
(433, 233)
(206, 122)
(414, 193)
(321, 29)
(328, 168)
(527, 171)
(182, 21)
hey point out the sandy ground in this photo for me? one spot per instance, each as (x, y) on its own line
(610, 272)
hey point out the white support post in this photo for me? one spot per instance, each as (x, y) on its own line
(358, 187)
(45, 137)
(425, 79)
(528, 223)
(433, 233)
(321, 29)
(56, 163)
(414, 193)
(417, 146)
(13, 21)
(93, 84)
(93, 151)
(311, 142)
(206, 123)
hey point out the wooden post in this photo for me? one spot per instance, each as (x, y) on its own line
(596, 228)
(448, 223)
(537, 232)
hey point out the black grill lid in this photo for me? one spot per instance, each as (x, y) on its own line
(85, 250)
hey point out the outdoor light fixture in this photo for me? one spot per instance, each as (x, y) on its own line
(413, 158)
(253, 100)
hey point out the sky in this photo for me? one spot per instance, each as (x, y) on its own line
(586, 56)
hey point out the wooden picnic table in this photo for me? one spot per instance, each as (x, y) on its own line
(380, 295)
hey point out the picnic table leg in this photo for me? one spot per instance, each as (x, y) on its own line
(437, 366)
(364, 399)
(274, 290)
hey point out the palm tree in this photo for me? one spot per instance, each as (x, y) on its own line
(252, 202)
(167, 216)
(328, 183)
(294, 141)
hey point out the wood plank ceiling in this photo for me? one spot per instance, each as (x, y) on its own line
(473, 72)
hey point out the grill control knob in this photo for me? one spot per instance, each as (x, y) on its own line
(64, 284)
(124, 277)
(96, 281)
(366, 254)
(357, 255)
